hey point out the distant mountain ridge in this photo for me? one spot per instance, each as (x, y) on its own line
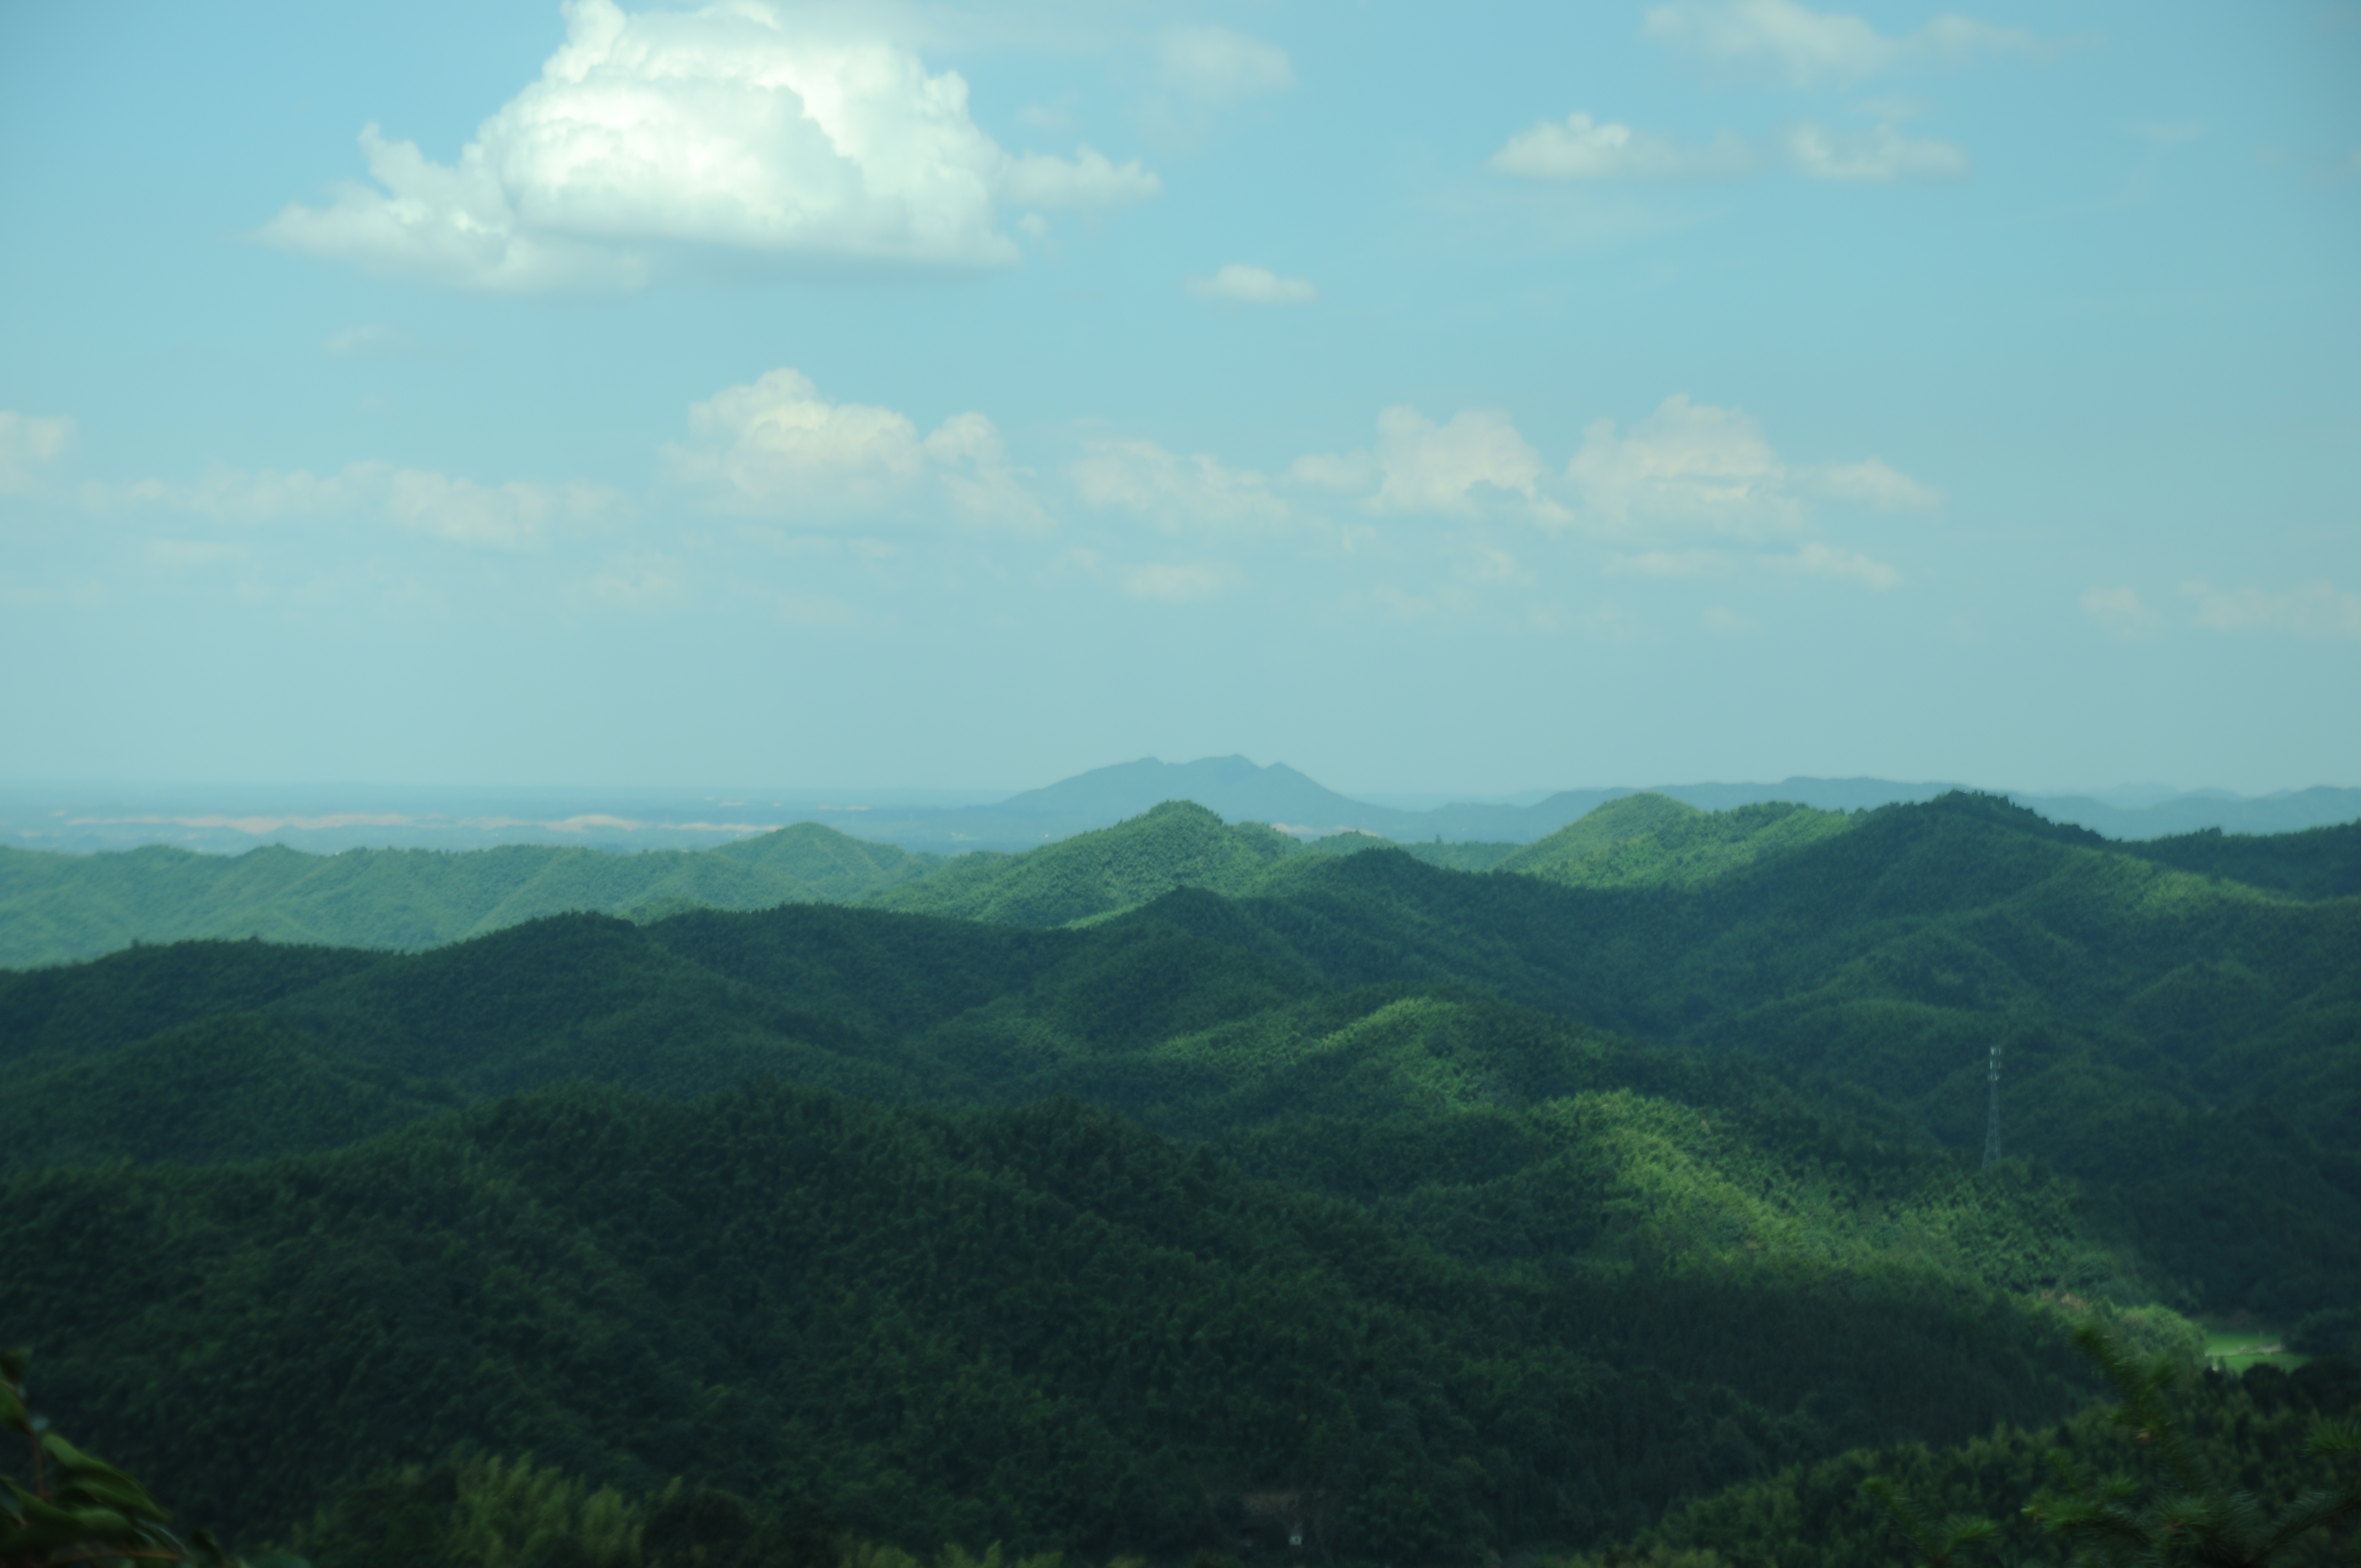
(56, 907)
(1275, 794)
(947, 822)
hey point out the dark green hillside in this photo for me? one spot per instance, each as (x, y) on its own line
(1518, 1210)
(1043, 1326)
(2185, 1047)
(2321, 862)
(77, 1009)
(1189, 1034)
(583, 996)
(1176, 845)
(2253, 1430)
(55, 907)
(233, 1088)
(2142, 1008)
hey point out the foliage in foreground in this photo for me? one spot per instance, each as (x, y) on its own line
(2254, 1434)
(1870, 1508)
(79, 1509)
(2176, 1508)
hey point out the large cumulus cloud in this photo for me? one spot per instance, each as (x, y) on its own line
(734, 127)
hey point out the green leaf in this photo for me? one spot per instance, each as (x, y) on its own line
(105, 1491)
(79, 1469)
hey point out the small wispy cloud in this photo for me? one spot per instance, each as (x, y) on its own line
(31, 450)
(1878, 156)
(1174, 584)
(1802, 47)
(1581, 147)
(1216, 66)
(2120, 613)
(378, 342)
(2318, 610)
(1238, 284)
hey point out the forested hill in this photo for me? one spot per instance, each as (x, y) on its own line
(2184, 1045)
(57, 907)
(1490, 1210)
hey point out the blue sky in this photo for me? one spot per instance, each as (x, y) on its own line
(1436, 400)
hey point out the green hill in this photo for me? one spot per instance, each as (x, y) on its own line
(55, 907)
(2194, 1045)
(1652, 840)
(2184, 1045)
(1503, 1211)
(1176, 845)
(2320, 863)
(240, 1087)
(1043, 1326)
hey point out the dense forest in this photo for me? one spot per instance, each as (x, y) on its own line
(1179, 1187)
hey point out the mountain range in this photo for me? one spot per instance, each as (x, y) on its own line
(1089, 1198)
(326, 819)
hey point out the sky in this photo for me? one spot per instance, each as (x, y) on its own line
(1469, 398)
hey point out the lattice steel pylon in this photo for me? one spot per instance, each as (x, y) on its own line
(1992, 1114)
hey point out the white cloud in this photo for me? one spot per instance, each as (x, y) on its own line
(513, 516)
(777, 447)
(1241, 285)
(369, 343)
(1693, 469)
(1870, 483)
(1216, 66)
(1581, 149)
(178, 554)
(1057, 116)
(1674, 564)
(640, 582)
(1089, 178)
(2315, 609)
(1427, 467)
(1348, 472)
(732, 127)
(1881, 155)
(1815, 559)
(2120, 613)
(1178, 494)
(1174, 584)
(31, 449)
(1804, 47)
(1420, 466)
(1688, 466)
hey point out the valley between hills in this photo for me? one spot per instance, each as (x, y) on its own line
(1182, 1189)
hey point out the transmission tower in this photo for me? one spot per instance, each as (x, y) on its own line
(1992, 1114)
